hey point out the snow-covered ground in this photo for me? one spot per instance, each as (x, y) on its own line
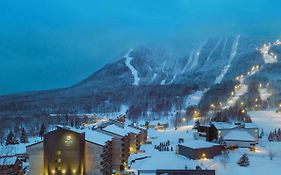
(267, 120)
(132, 68)
(241, 89)
(264, 93)
(260, 162)
(194, 99)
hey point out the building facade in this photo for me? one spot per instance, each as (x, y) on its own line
(121, 146)
(64, 152)
(199, 149)
(71, 151)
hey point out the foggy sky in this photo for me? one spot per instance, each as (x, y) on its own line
(57, 43)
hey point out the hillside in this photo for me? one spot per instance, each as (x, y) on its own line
(150, 79)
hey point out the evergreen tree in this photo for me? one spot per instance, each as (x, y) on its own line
(244, 161)
(42, 131)
(11, 138)
(23, 138)
(270, 137)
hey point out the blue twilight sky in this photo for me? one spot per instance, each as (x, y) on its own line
(56, 43)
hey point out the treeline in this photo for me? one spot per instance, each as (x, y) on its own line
(275, 136)
(155, 98)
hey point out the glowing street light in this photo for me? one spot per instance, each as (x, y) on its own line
(243, 111)
(183, 119)
(257, 66)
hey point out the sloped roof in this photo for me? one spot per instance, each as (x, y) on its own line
(116, 130)
(97, 137)
(90, 135)
(231, 125)
(79, 131)
(8, 160)
(239, 135)
(133, 130)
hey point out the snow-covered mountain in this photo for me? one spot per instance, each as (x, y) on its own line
(155, 79)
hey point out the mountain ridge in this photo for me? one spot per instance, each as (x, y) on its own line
(147, 74)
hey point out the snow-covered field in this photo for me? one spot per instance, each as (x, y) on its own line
(267, 120)
(260, 162)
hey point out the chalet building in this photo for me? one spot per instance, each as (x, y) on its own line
(14, 151)
(71, 151)
(199, 149)
(216, 131)
(10, 166)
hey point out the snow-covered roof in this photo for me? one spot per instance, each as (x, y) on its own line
(230, 125)
(239, 135)
(196, 144)
(8, 160)
(90, 135)
(116, 130)
(250, 125)
(11, 150)
(97, 137)
(224, 125)
(133, 130)
(79, 131)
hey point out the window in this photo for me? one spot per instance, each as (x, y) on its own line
(59, 152)
(59, 160)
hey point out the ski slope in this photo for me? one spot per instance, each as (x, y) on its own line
(131, 67)
(194, 98)
(231, 57)
(268, 120)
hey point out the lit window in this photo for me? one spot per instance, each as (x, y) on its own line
(58, 152)
(59, 160)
